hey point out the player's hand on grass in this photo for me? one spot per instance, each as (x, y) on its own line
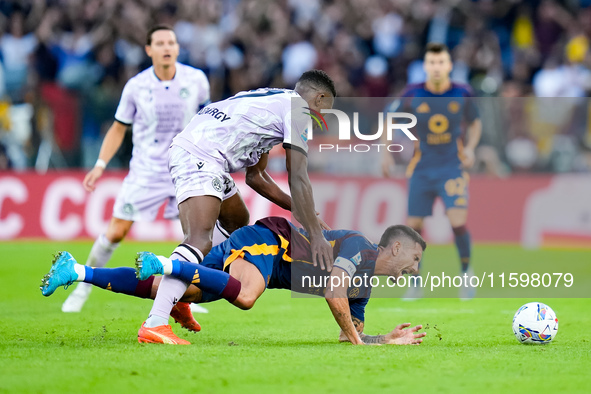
(402, 335)
(321, 252)
(91, 177)
(468, 158)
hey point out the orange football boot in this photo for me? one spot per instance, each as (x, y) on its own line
(181, 313)
(160, 334)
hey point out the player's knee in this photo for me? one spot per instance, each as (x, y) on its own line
(117, 237)
(200, 238)
(460, 230)
(116, 234)
(245, 301)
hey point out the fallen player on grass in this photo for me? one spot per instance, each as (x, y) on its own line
(273, 253)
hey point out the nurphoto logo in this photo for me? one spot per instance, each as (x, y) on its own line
(344, 130)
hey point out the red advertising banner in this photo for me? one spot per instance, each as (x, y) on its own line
(532, 210)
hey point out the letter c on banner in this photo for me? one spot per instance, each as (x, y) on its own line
(13, 223)
(57, 192)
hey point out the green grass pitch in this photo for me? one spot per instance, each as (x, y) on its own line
(283, 344)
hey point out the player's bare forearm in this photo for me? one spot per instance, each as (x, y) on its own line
(303, 208)
(367, 339)
(113, 140)
(374, 339)
(340, 310)
(473, 134)
(359, 324)
(264, 185)
(111, 144)
(474, 131)
(261, 182)
(301, 192)
(303, 203)
(339, 306)
(403, 334)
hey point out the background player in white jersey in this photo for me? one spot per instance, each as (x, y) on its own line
(225, 137)
(158, 103)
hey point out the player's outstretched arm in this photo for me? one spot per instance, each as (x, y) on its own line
(359, 324)
(111, 143)
(338, 302)
(401, 335)
(303, 207)
(262, 183)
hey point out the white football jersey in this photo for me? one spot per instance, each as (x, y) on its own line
(158, 111)
(235, 132)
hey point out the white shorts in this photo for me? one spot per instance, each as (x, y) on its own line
(140, 199)
(193, 177)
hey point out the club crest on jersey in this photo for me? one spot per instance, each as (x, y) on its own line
(354, 292)
(217, 185)
(184, 93)
(128, 209)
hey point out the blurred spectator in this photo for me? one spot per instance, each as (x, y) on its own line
(298, 57)
(72, 57)
(16, 49)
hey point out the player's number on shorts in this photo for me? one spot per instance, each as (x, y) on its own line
(456, 187)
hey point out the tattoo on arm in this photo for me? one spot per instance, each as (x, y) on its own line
(358, 324)
(367, 339)
(373, 339)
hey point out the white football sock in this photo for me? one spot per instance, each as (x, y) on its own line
(171, 289)
(155, 321)
(101, 252)
(166, 265)
(81, 271)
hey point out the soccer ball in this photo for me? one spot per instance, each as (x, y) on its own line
(535, 323)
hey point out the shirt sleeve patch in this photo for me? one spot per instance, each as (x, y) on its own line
(346, 265)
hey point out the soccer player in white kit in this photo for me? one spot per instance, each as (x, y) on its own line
(158, 103)
(225, 137)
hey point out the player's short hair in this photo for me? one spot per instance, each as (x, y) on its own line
(154, 29)
(318, 79)
(400, 231)
(436, 47)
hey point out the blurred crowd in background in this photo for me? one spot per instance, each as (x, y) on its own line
(64, 64)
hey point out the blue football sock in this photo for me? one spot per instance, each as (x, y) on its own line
(463, 243)
(118, 280)
(208, 297)
(216, 282)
